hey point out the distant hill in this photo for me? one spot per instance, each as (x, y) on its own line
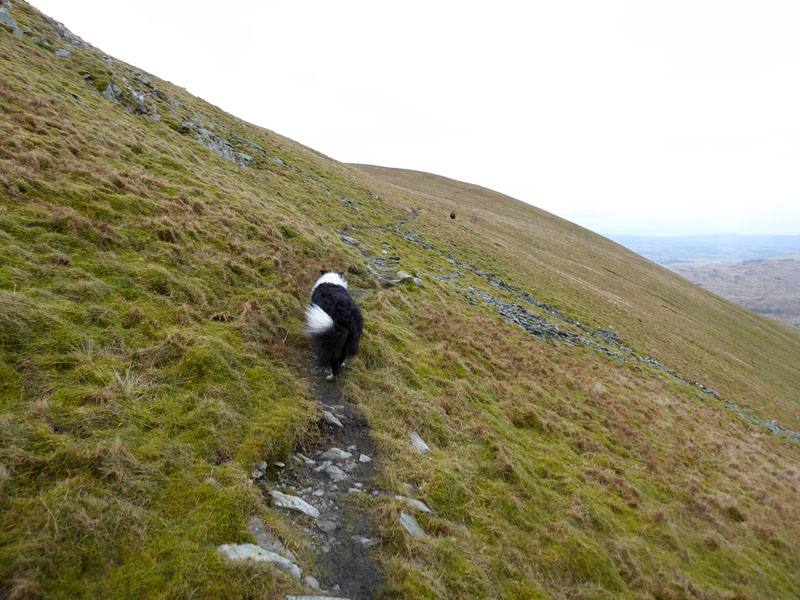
(676, 249)
(769, 286)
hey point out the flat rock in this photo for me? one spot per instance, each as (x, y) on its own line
(326, 526)
(62, 53)
(364, 459)
(311, 582)
(418, 443)
(331, 418)
(266, 540)
(410, 524)
(293, 503)
(421, 506)
(336, 454)
(336, 473)
(257, 554)
(402, 275)
(364, 541)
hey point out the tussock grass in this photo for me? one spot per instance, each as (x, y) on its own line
(151, 299)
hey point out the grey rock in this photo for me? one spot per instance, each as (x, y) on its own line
(336, 473)
(410, 524)
(326, 526)
(330, 418)
(364, 459)
(403, 275)
(311, 582)
(213, 481)
(266, 540)
(263, 465)
(364, 541)
(7, 4)
(336, 454)
(278, 161)
(353, 490)
(62, 53)
(304, 459)
(318, 493)
(256, 474)
(323, 466)
(7, 20)
(293, 503)
(418, 281)
(257, 554)
(279, 464)
(419, 445)
(410, 489)
(421, 506)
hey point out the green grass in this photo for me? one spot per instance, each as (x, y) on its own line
(151, 301)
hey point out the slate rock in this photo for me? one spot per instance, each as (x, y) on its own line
(421, 506)
(336, 454)
(418, 443)
(410, 524)
(326, 526)
(293, 503)
(257, 554)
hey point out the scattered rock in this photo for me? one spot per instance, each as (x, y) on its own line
(403, 275)
(419, 445)
(266, 540)
(364, 541)
(336, 473)
(410, 524)
(410, 489)
(63, 53)
(418, 281)
(364, 459)
(330, 418)
(421, 506)
(326, 526)
(213, 481)
(311, 582)
(293, 503)
(303, 458)
(253, 552)
(336, 454)
(9, 21)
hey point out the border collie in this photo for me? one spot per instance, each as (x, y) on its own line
(334, 322)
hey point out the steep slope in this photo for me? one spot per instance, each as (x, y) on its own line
(597, 426)
(770, 286)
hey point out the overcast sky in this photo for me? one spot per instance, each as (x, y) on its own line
(638, 117)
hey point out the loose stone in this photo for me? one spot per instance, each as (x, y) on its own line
(419, 445)
(415, 503)
(330, 418)
(336, 454)
(410, 524)
(293, 503)
(364, 459)
(251, 551)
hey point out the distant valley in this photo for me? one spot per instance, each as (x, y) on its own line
(770, 286)
(761, 273)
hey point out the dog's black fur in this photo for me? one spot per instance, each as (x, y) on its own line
(337, 340)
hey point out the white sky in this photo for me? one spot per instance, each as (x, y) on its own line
(639, 117)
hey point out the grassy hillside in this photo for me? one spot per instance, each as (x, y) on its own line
(155, 257)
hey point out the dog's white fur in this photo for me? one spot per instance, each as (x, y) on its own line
(317, 320)
(333, 278)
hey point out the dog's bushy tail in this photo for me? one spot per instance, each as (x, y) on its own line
(317, 320)
(327, 338)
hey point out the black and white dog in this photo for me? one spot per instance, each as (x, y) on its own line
(333, 321)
